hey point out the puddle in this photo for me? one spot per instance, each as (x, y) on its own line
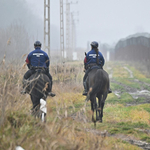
(117, 93)
(110, 76)
(110, 72)
(142, 144)
(136, 94)
(131, 73)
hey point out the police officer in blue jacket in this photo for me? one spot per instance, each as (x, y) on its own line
(37, 59)
(93, 58)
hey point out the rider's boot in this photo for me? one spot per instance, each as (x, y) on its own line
(109, 91)
(51, 93)
(23, 92)
(85, 89)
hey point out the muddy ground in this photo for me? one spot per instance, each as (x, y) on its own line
(136, 93)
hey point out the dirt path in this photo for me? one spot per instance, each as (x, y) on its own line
(129, 139)
(135, 93)
(130, 72)
(80, 116)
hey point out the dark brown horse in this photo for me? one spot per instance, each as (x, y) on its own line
(37, 87)
(98, 86)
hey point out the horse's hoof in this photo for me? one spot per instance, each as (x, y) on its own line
(97, 118)
(100, 121)
(87, 98)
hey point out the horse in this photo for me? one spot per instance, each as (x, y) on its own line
(98, 87)
(37, 87)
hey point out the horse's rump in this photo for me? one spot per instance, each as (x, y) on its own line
(98, 81)
(38, 82)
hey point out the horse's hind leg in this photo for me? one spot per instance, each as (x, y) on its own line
(99, 118)
(102, 103)
(92, 110)
(93, 107)
(102, 106)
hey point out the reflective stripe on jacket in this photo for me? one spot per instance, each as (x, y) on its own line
(38, 58)
(91, 58)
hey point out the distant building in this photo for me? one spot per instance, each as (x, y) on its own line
(135, 47)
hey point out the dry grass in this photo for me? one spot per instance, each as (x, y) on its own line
(67, 119)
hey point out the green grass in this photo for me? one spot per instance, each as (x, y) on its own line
(115, 86)
(129, 82)
(126, 120)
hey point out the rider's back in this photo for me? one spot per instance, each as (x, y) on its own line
(38, 58)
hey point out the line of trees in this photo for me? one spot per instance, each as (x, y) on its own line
(17, 29)
(20, 28)
(14, 41)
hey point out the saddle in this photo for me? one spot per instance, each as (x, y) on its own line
(93, 66)
(39, 69)
(96, 67)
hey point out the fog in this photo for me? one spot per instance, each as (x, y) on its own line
(102, 20)
(105, 21)
(110, 20)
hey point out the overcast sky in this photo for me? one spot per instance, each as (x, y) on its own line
(102, 20)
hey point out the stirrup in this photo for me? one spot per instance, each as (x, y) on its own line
(84, 93)
(51, 94)
(23, 92)
(109, 91)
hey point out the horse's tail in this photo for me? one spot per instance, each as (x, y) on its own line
(99, 76)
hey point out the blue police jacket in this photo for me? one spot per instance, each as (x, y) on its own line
(91, 58)
(38, 58)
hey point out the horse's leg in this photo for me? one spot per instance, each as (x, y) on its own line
(96, 108)
(92, 111)
(102, 104)
(99, 108)
(36, 106)
(93, 106)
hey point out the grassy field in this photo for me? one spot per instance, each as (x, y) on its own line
(69, 125)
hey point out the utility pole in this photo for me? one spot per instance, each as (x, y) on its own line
(61, 30)
(73, 25)
(72, 32)
(67, 25)
(73, 36)
(47, 26)
(68, 16)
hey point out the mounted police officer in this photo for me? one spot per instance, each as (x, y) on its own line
(93, 58)
(37, 59)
